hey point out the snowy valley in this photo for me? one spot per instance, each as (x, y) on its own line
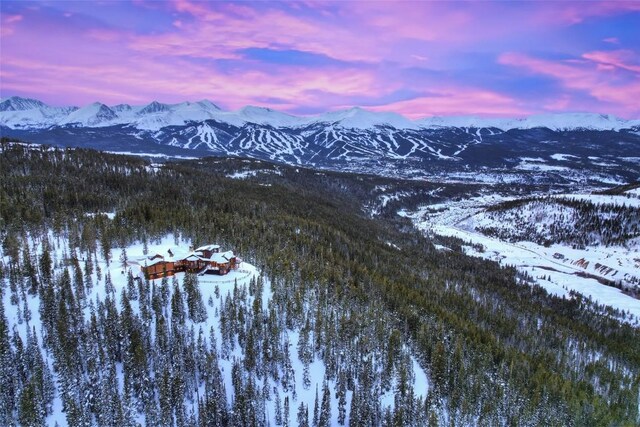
(552, 242)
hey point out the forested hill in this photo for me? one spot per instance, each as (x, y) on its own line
(368, 303)
(563, 220)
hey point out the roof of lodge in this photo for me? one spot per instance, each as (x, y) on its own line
(156, 261)
(208, 248)
(219, 258)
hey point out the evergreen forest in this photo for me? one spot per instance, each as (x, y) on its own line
(348, 310)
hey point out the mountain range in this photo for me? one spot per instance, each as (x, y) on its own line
(354, 139)
(26, 113)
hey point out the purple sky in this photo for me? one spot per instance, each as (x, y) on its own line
(415, 58)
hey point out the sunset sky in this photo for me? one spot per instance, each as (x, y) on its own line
(415, 58)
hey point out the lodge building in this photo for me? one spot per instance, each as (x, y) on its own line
(204, 260)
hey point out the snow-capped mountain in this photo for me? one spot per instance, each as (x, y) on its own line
(92, 115)
(16, 112)
(558, 122)
(353, 139)
(26, 113)
(16, 103)
(358, 118)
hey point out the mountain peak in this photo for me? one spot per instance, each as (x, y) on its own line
(121, 108)
(205, 103)
(359, 118)
(17, 103)
(256, 109)
(154, 107)
(96, 114)
(268, 116)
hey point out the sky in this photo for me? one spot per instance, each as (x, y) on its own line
(416, 58)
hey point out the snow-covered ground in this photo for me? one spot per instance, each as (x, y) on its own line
(214, 289)
(558, 268)
(244, 174)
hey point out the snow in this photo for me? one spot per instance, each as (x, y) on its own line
(535, 165)
(174, 115)
(461, 122)
(555, 122)
(267, 116)
(214, 289)
(358, 118)
(92, 115)
(557, 277)
(110, 215)
(563, 157)
(16, 112)
(242, 174)
(245, 174)
(557, 268)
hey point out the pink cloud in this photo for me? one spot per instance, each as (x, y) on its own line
(8, 24)
(350, 31)
(355, 52)
(220, 32)
(144, 79)
(575, 12)
(623, 59)
(598, 74)
(563, 103)
(458, 101)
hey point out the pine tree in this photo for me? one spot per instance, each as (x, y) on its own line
(29, 410)
(8, 386)
(303, 415)
(108, 284)
(124, 260)
(278, 409)
(341, 395)
(131, 287)
(285, 415)
(316, 412)
(46, 271)
(325, 409)
(354, 412)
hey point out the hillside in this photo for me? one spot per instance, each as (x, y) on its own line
(591, 220)
(389, 329)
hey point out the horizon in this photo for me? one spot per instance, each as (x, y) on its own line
(416, 59)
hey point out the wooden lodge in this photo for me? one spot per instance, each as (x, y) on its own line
(204, 260)
(158, 268)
